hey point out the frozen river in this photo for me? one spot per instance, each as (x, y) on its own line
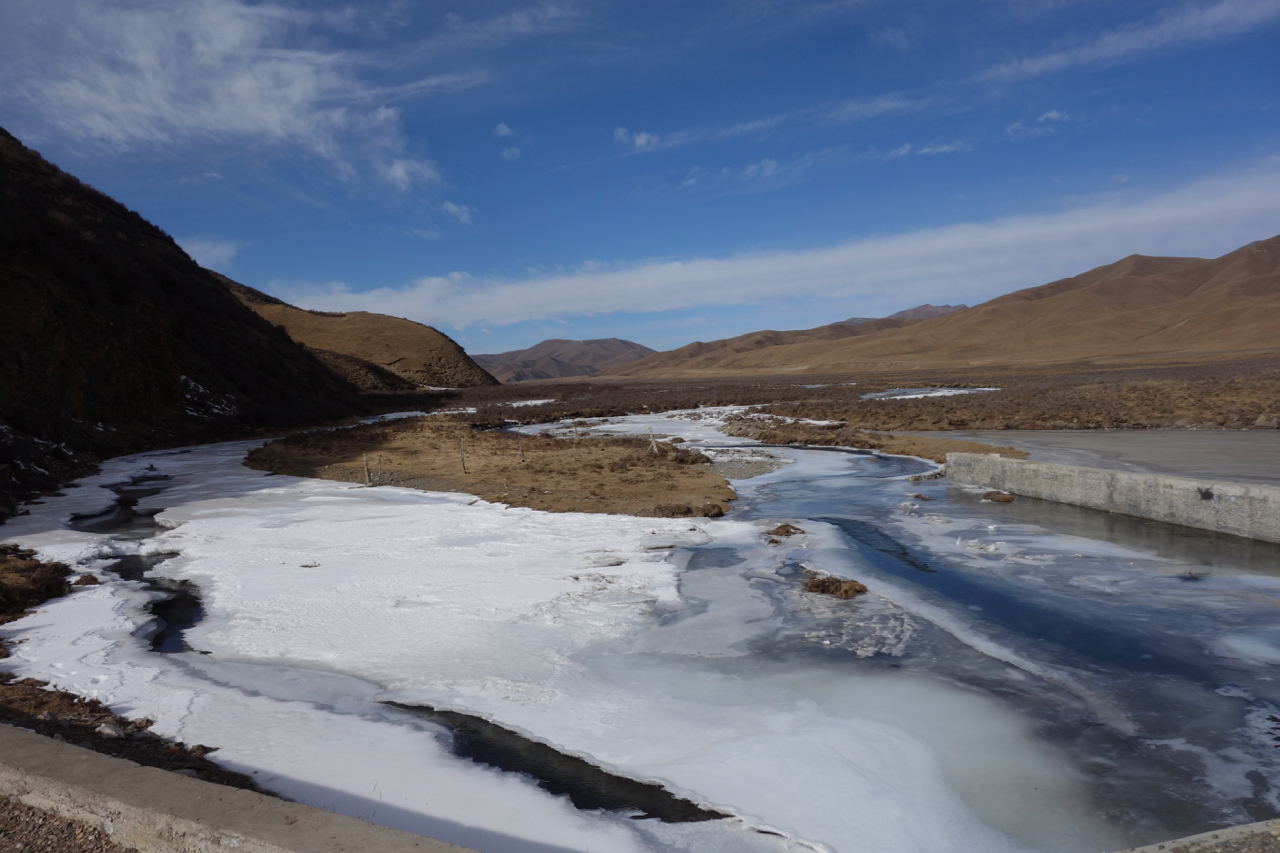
(1021, 677)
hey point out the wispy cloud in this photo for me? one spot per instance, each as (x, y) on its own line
(943, 148)
(460, 212)
(841, 112)
(502, 130)
(1186, 25)
(965, 261)
(511, 154)
(539, 19)
(124, 74)
(211, 252)
(1042, 126)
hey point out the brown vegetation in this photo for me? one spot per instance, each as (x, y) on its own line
(778, 431)
(420, 354)
(608, 475)
(26, 582)
(1232, 395)
(828, 585)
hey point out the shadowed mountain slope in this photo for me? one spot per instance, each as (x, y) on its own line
(558, 358)
(115, 340)
(414, 352)
(1139, 308)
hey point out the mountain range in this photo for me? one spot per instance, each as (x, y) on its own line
(559, 358)
(1140, 308)
(920, 312)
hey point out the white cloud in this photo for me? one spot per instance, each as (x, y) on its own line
(502, 130)
(764, 169)
(644, 141)
(1018, 130)
(965, 261)
(130, 73)
(857, 109)
(1188, 24)
(842, 112)
(943, 148)
(901, 151)
(547, 17)
(460, 212)
(1053, 115)
(404, 173)
(211, 252)
(512, 153)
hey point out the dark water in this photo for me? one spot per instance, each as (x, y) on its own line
(588, 787)
(181, 607)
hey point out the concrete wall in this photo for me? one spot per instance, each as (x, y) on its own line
(157, 811)
(1252, 511)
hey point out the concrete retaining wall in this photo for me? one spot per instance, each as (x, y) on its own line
(1252, 511)
(161, 812)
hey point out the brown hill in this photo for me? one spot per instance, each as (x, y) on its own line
(716, 357)
(920, 312)
(420, 354)
(115, 340)
(1139, 308)
(558, 358)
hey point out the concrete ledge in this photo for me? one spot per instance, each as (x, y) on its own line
(1208, 840)
(161, 812)
(1251, 511)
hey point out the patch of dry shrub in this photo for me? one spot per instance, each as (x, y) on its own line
(828, 585)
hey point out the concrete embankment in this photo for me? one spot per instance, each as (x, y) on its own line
(1240, 509)
(157, 811)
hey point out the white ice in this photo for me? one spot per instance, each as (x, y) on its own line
(918, 393)
(583, 631)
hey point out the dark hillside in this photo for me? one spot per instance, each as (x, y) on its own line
(115, 340)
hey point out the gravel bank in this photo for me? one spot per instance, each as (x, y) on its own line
(27, 830)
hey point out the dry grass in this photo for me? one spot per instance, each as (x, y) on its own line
(827, 585)
(1220, 395)
(609, 475)
(779, 431)
(26, 582)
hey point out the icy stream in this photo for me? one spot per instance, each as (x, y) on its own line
(1022, 677)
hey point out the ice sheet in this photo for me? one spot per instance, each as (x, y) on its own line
(676, 651)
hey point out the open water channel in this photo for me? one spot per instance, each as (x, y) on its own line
(1021, 677)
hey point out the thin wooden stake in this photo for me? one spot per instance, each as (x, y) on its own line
(379, 467)
(520, 444)
(366, 470)
(462, 453)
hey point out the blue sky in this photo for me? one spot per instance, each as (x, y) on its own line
(659, 171)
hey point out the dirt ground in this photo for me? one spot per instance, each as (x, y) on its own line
(608, 475)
